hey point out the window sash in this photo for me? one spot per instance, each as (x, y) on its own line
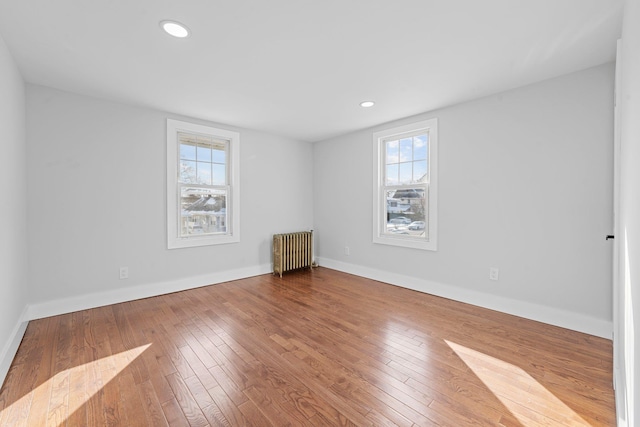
(404, 230)
(203, 166)
(209, 219)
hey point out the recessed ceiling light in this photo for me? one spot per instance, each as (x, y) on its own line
(367, 104)
(175, 29)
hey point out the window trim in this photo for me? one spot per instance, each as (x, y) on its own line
(174, 241)
(379, 198)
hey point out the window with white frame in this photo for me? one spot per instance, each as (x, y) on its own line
(202, 185)
(406, 185)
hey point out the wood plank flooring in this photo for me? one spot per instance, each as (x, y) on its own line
(319, 348)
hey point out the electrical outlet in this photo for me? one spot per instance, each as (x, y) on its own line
(494, 273)
(346, 250)
(124, 273)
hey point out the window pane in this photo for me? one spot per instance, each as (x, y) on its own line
(392, 175)
(406, 150)
(420, 147)
(187, 152)
(406, 173)
(406, 212)
(204, 173)
(203, 211)
(219, 156)
(204, 153)
(392, 155)
(187, 171)
(420, 171)
(219, 174)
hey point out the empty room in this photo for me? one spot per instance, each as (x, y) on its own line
(320, 213)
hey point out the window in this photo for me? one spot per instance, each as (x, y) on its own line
(405, 185)
(202, 185)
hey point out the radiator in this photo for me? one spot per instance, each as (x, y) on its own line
(292, 251)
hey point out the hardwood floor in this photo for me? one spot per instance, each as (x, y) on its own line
(317, 348)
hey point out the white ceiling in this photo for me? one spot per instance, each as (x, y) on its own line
(299, 68)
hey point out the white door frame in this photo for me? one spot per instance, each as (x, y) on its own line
(618, 336)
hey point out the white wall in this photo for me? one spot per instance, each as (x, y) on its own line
(13, 209)
(525, 185)
(627, 338)
(97, 195)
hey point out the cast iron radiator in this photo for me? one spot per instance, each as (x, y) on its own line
(292, 251)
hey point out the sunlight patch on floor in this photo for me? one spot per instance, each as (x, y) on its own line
(70, 389)
(528, 400)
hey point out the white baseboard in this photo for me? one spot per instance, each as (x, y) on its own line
(552, 316)
(11, 346)
(99, 299)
